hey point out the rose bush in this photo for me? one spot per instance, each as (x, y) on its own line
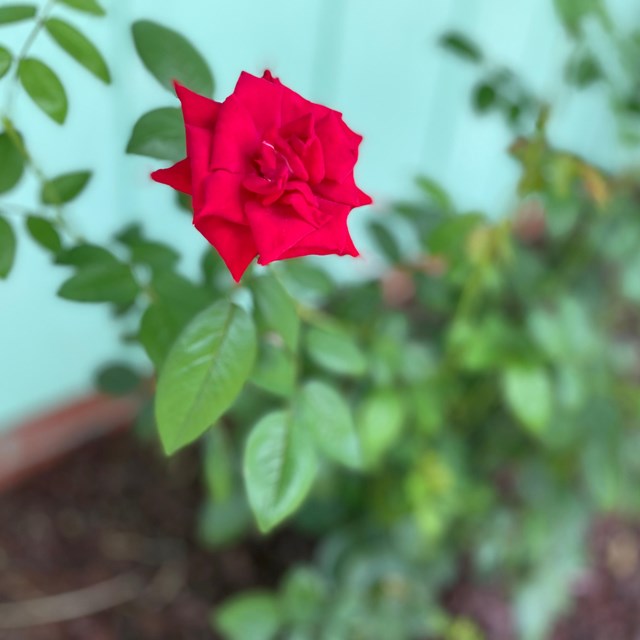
(270, 173)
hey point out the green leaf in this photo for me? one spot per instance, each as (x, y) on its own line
(176, 302)
(380, 420)
(84, 254)
(204, 373)
(223, 523)
(88, 6)
(117, 380)
(159, 134)
(218, 465)
(105, 280)
(336, 351)
(435, 193)
(279, 467)
(528, 393)
(386, 242)
(275, 370)
(44, 88)
(326, 414)
(65, 187)
(253, 615)
(484, 97)
(12, 163)
(17, 13)
(276, 310)
(44, 233)
(8, 244)
(78, 46)
(461, 46)
(6, 59)
(169, 56)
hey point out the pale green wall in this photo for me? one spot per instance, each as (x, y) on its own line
(376, 60)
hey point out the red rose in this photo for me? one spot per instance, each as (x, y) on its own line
(271, 174)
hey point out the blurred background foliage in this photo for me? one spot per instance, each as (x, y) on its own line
(490, 368)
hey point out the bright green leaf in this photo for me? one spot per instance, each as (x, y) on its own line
(44, 88)
(170, 56)
(12, 163)
(528, 393)
(223, 523)
(279, 467)
(78, 46)
(117, 379)
(253, 615)
(326, 414)
(336, 351)
(65, 187)
(44, 233)
(204, 373)
(159, 134)
(276, 310)
(88, 6)
(275, 369)
(219, 465)
(8, 245)
(380, 419)
(6, 59)
(17, 13)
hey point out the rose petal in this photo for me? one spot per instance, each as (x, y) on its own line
(177, 176)
(346, 192)
(340, 146)
(275, 229)
(223, 196)
(234, 243)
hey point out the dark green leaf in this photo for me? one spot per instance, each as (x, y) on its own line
(6, 60)
(78, 46)
(279, 467)
(17, 13)
(88, 6)
(435, 193)
(276, 310)
(44, 88)
(117, 380)
(336, 351)
(176, 302)
(44, 233)
(83, 255)
(159, 134)
(386, 242)
(65, 187)
(461, 46)
(324, 412)
(8, 245)
(170, 56)
(484, 97)
(253, 615)
(12, 163)
(101, 281)
(204, 373)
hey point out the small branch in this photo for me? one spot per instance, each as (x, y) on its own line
(73, 604)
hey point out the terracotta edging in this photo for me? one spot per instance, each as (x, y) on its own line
(28, 447)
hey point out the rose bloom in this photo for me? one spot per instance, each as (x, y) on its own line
(270, 173)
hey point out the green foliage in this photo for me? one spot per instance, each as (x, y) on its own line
(7, 248)
(170, 57)
(79, 47)
(86, 6)
(44, 88)
(64, 188)
(6, 60)
(252, 615)
(44, 233)
(12, 163)
(117, 379)
(204, 372)
(16, 13)
(279, 466)
(159, 134)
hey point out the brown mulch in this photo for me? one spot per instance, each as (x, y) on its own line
(120, 511)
